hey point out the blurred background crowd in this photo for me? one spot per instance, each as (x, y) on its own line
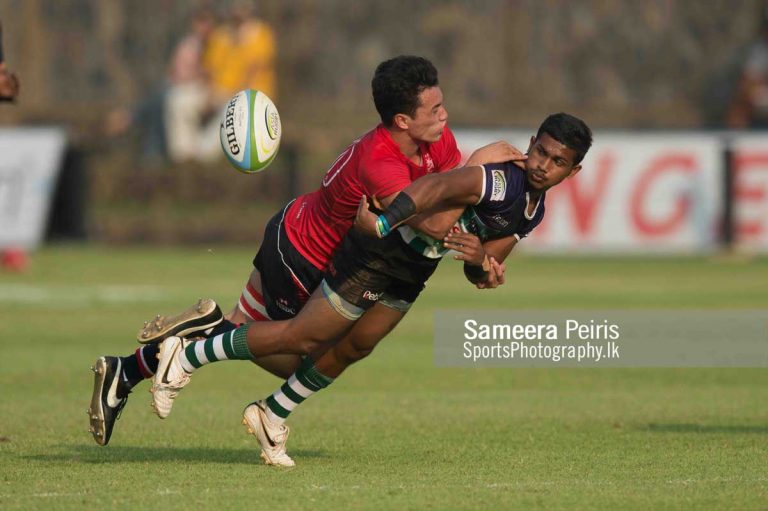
(139, 85)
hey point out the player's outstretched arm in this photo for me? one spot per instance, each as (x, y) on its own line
(456, 187)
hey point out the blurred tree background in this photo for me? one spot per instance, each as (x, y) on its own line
(502, 63)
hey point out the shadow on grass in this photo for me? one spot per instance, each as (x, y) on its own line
(122, 454)
(702, 428)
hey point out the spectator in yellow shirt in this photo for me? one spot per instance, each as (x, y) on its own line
(241, 55)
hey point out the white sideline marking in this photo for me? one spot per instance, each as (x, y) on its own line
(407, 487)
(78, 296)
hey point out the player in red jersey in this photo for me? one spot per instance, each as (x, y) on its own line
(376, 162)
(412, 140)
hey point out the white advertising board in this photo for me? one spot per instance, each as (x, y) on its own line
(30, 160)
(750, 190)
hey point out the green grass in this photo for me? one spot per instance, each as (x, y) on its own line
(394, 432)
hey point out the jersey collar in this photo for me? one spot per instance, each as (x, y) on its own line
(426, 158)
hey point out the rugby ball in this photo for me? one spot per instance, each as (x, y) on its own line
(250, 131)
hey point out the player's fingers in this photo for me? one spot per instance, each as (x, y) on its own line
(361, 209)
(463, 237)
(458, 247)
(458, 235)
(513, 153)
(500, 278)
(498, 269)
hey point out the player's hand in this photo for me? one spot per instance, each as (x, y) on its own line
(498, 152)
(469, 246)
(365, 220)
(495, 275)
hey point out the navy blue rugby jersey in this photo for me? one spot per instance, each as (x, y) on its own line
(500, 212)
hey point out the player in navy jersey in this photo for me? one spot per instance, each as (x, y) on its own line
(506, 203)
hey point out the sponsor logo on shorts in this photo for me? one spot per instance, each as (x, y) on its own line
(370, 295)
(499, 185)
(282, 304)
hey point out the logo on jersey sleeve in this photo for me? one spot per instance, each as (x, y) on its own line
(498, 185)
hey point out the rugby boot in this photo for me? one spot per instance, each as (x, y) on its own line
(192, 322)
(105, 404)
(272, 437)
(170, 377)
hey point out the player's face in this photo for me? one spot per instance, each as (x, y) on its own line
(430, 117)
(549, 162)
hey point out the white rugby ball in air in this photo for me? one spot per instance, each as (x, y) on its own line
(250, 131)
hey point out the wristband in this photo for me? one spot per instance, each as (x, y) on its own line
(382, 226)
(400, 210)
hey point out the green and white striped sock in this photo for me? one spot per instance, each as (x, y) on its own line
(303, 383)
(231, 345)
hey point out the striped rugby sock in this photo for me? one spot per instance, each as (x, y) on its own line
(303, 383)
(231, 345)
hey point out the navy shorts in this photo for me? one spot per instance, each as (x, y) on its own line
(366, 270)
(287, 278)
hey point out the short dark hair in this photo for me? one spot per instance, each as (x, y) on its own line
(569, 131)
(397, 84)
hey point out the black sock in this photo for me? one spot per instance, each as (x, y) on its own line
(141, 365)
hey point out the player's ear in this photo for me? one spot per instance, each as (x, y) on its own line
(574, 170)
(530, 144)
(401, 121)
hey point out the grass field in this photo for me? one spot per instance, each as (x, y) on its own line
(394, 432)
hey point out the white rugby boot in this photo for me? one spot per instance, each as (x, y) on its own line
(170, 377)
(272, 437)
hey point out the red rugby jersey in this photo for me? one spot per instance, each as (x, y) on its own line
(372, 165)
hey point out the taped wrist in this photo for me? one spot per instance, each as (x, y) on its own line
(475, 273)
(400, 210)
